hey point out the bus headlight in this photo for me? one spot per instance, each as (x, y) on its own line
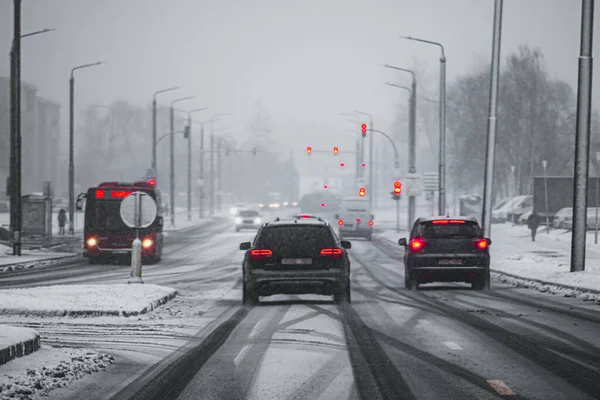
(91, 242)
(257, 221)
(147, 243)
(238, 221)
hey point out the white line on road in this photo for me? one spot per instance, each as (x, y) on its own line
(501, 388)
(259, 325)
(453, 346)
(241, 355)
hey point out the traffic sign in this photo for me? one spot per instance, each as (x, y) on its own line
(431, 181)
(412, 185)
(138, 210)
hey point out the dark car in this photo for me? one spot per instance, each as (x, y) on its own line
(446, 250)
(296, 257)
(248, 219)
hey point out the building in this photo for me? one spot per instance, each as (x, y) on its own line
(40, 133)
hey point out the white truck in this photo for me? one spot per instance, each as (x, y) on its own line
(355, 218)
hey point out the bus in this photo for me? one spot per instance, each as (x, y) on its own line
(105, 234)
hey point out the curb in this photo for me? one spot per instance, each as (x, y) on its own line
(19, 349)
(529, 283)
(56, 261)
(91, 313)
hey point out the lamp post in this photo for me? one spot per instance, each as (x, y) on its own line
(371, 184)
(412, 139)
(544, 165)
(360, 151)
(189, 167)
(172, 174)
(442, 120)
(211, 199)
(154, 111)
(597, 193)
(72, 144)
(15, 129)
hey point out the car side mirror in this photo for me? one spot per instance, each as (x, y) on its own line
(346, 244)
(245, 245)
(402, 242)
(161, 221)
(489, 241)
(336, 216)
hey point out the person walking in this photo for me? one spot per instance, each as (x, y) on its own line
(533, 222)
(62, 221)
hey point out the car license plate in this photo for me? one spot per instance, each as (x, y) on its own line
(122, 251)
(248, 222)
(296, 261)
(454, 261)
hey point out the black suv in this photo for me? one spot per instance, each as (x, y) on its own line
(299, 256)
(446, 250)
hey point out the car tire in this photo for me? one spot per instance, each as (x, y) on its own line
(482, 282)
(249, 298)
(342, 294)
(94, 260)
(410, 282)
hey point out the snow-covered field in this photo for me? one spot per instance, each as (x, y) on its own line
(69, 300)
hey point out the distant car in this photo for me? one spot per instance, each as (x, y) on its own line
(248, 219)
(446, 250)
(296, 257)
(305, 216)
(235, 210)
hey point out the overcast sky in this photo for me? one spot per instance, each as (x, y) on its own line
(308, 60)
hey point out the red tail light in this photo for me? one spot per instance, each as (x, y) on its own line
(258, 254)
(417, 244)
(340, 222)
(448, 221)
(371, 223)
(481, 244)
(335, 252)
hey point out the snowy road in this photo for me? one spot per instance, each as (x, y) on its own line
(438, 343)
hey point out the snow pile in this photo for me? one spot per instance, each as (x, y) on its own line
(11, 335)
(32, 259)
(85, 300)
(4, 250)
(55, 368)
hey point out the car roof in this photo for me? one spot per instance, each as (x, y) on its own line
(429, 219)
(296, 222)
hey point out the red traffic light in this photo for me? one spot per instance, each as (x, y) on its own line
(364, 128)
(397, 187)
(336, 150)
(324, 186)
(309, 150)
(362, 192)
(364, 165)
(342, 165)
(152, 182)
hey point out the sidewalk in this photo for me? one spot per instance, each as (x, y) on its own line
(17, 342)
(31, 258)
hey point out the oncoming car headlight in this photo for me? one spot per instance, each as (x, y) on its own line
(238, 221)
(146, 243)
(257, 220)
(91, 242)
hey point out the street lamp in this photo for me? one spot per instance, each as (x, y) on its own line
(154, 105)
(442, 121)
(211, 199)
(371, 184)
(72, 144)
(544, 165)
(172, 175)
(412, 141)
(15, 130)
(189, 138)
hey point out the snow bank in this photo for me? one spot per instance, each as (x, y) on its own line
(85, 300)
(32, 259)
(21, 379)
(17, 342)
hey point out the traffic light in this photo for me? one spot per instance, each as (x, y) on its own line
(186, 132)
(397, 187)
(364, 130)
(364, 165)
(151, 181)
(336, 150)
(362, 192)
(309, 150)
(342, 165)
(324, 186)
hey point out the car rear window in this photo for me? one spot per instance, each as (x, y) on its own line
(248, 213)
(468, 229)
(309, 239)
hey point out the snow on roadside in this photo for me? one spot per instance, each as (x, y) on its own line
(11, 335)
(87, 300)
(55, 368)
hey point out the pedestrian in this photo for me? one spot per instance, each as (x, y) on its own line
(533, 222)
(62, 221)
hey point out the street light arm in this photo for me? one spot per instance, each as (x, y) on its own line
(396, 157)
(399, 86)
(441, 46)
(38, 32)
(402, 69)
(168, 134)
(85, 66)
(182, 99)
(165, 90)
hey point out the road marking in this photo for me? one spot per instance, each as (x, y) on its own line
(453, 346)
(241, 354)
(501, 388)
(256, 329)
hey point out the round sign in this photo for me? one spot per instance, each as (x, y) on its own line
(138, 210)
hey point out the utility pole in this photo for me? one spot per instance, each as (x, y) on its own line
(154, 117)
(582, 138)
(172, 140)
(202, 180)
(370, 184)
(219, 186)
(15, 177)
(491, 128)
(189, 168)
(211, 189)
